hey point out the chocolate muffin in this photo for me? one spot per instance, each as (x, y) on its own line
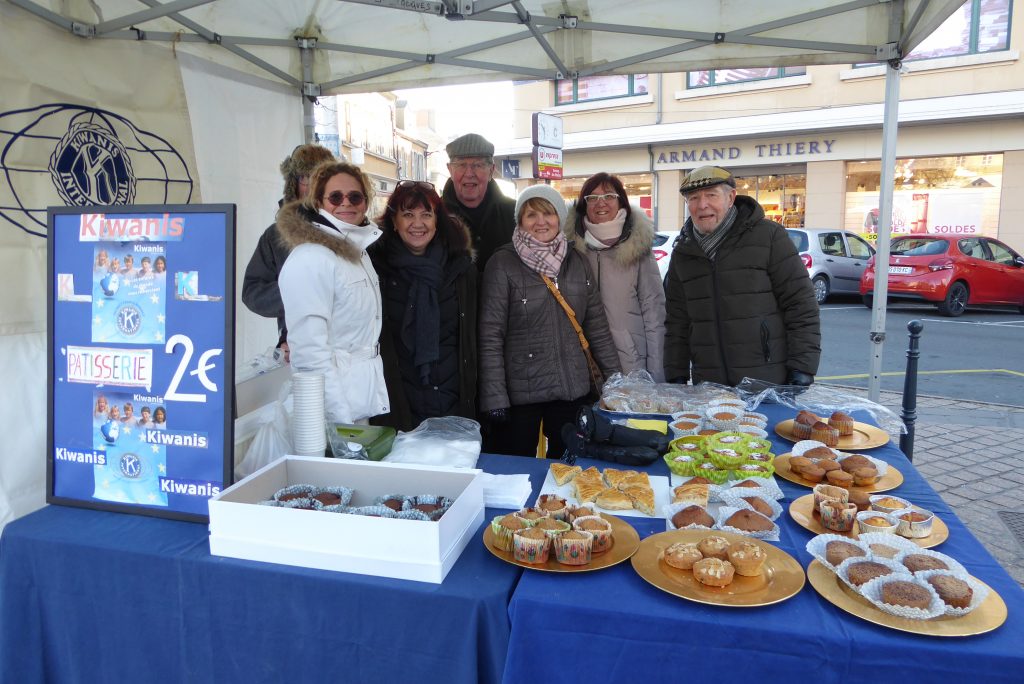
(328, 498)
(916, 562)
(862, 572)
(903, 593)
(393, 504)
(953, 592)
(838, 551)
(759, 505)
(692, 515)
(749, 521)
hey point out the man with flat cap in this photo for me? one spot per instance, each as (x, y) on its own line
(739, 301)
(472, 194)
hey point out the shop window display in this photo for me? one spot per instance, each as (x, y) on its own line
(783, 196)
(708, 78)
(957, 195)
(591, 88)
(637, 185)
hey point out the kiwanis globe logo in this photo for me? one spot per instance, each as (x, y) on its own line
(131, 466)
(129, 320)
(82, 156)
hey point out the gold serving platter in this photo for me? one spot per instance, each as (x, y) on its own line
(625, 543)
(985, 618)
(802, 511)
(782, 578)
(864, 436)
(892, 479)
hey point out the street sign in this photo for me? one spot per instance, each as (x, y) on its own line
(510, 168)
(547, 130)
(547, 163)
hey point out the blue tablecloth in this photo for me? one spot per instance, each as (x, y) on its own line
(89, 596)
(612, 626)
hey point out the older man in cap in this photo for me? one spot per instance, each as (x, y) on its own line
(472, 194)
(738, 299)
(259, 286)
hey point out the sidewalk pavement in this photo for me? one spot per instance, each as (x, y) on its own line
(970, 453)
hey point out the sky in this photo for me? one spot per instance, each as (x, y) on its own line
(484, 108)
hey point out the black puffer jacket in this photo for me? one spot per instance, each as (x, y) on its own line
(529, 352)
(749, 313)
(260, 292)
(453, 378)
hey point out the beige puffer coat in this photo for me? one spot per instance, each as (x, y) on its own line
(631, 289)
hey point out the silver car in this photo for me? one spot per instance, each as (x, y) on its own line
(834, 259)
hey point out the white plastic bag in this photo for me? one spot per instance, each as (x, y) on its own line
(447, 441)
(272, 439)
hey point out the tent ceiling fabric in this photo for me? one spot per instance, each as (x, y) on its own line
(376, 45)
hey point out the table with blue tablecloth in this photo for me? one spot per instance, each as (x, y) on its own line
(612, 626)
(90, 596)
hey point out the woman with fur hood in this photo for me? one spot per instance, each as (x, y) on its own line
(616, 238)
(428, 286)
(330, 291)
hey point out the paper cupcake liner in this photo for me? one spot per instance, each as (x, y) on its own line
(723, 514)
(746, 471)
(769, 487)
(402, 498)
(304, 503)
(531, 551)
(734, 403)
(555, 534)
(759, 444)
(574, 551)
(336, 508)
(674, 445)
(344, 492)
(502, 535)
(443, 503)
(816, 547)
(683, 468)
(867, 529)
(530, 522)
(686, 432)
(602, 538)
(558, 514)
(872, 591)
(754, 418)
(951, 563)
(760, 458)
(729, 440)
(890, 540)
(979, 590)
(898, 571)
(304, 489)
(913, 530)
(273, 503)
(716, 475)
(734, 498)
(373, 511)
(805, 445)
(689, 414)
(413, 514)
(669, 510)
(579, 511)
(727, 461)
(753, 431)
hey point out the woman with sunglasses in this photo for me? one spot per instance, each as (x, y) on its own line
(532, 363)
(330, 292)
(616, 238)
(428, 286)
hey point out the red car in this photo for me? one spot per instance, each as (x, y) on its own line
(951, 271)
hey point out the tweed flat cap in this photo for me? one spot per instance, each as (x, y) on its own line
(705, 177)
(469, 145)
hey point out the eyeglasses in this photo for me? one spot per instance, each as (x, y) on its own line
(461, 166)
(594, 199)
(426, 185)
(355, 198)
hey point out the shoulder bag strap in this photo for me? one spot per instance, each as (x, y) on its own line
(595, 370)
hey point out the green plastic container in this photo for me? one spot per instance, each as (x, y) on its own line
(374, 438)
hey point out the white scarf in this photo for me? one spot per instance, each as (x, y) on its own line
(362, 236)
(604, 235)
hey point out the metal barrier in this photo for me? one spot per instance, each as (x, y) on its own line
(909, 412)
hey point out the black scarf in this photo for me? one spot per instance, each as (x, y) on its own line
(420, 329)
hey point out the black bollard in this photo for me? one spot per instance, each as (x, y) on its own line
(909, 414)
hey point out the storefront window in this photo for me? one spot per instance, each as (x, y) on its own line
(590, 88)
(703, 79)
(637, 185)
(932, 195)
(783, 196)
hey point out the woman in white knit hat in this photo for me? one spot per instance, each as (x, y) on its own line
(532, 363)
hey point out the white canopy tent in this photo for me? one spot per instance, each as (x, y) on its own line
(239, 68)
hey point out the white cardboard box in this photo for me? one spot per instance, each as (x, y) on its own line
(385, 547)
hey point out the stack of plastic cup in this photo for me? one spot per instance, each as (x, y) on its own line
(308, 436)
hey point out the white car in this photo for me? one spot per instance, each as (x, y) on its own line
(664, 241)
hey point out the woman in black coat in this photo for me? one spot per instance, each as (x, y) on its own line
(424, 261)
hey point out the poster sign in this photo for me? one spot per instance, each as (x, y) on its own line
(547, 163)
(141, 357)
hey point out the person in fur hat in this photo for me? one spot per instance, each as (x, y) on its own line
(331, 294)
(428, 284)
(260, 292)
(616, 238)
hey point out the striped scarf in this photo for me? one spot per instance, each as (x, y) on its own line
(543, 257)
(710, 242)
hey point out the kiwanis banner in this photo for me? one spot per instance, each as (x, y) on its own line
(141, 357)
(81, 122)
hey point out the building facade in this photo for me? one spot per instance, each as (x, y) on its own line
(806, 142)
